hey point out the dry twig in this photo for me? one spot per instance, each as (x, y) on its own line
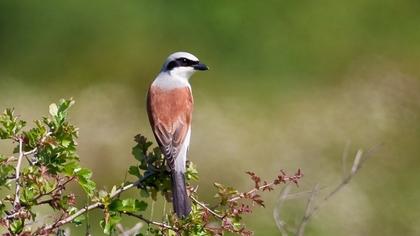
(311, 208)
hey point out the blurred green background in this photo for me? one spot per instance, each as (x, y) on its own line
(291, 82)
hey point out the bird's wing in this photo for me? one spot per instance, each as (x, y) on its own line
(170, 114)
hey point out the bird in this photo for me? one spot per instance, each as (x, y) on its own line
(169, 108)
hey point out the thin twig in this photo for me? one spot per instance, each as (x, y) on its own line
(159, 224)
(308, 211)
(357, 165)
(27, 154)
(68, 219)
(17, 175)
(49, 228)
(33, 151)
(301, 194)
(58, 187)
(263, 187)
(281, 225)
(205, 207)
(14, 215)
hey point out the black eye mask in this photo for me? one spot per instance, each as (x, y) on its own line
(184, 62)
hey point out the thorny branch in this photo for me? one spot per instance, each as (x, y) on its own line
(50, 149)
(268, 186)
(68, 219)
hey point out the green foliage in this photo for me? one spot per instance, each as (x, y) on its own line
(52, 163)
(49, 148)
(84, 178)
(16, 226)
(127, 205)
(226, 216)
(10, 124)
(6, 171)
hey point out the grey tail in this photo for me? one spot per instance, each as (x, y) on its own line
(182, 206)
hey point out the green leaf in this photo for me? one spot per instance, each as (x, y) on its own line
(133, 205)
(134, 170)
(83, 177)
(64, 105)
(127, 205)
(2, 208)
(116, 205)
(28, 195)
(138, 153)
(48, 186)
(70, 166)
(10, 125)
(16, 226)
(79, 220)
(110, 224)
(5, 172)
(66, 142)
(191, 173)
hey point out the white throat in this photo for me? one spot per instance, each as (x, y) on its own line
(168, 80)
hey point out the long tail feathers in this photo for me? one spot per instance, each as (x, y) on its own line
(182, 206)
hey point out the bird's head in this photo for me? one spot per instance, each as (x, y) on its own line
(182, 64)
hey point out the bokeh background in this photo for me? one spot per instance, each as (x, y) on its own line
(291, 83)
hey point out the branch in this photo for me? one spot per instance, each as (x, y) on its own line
(17, 175)
(205, 207)
(357, 165)
(68, 219)
(281, 225)
(162, 225)
(308, 211)
(28, 153)
(49, 228)
(33, 151)
(268, 186)
(58, 187)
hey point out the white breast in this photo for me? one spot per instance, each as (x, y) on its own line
(167, 81)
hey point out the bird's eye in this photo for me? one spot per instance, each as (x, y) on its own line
(184, 60)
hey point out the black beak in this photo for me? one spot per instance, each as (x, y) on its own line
(200, 66)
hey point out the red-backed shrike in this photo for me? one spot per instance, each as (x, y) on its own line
(169, 106)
